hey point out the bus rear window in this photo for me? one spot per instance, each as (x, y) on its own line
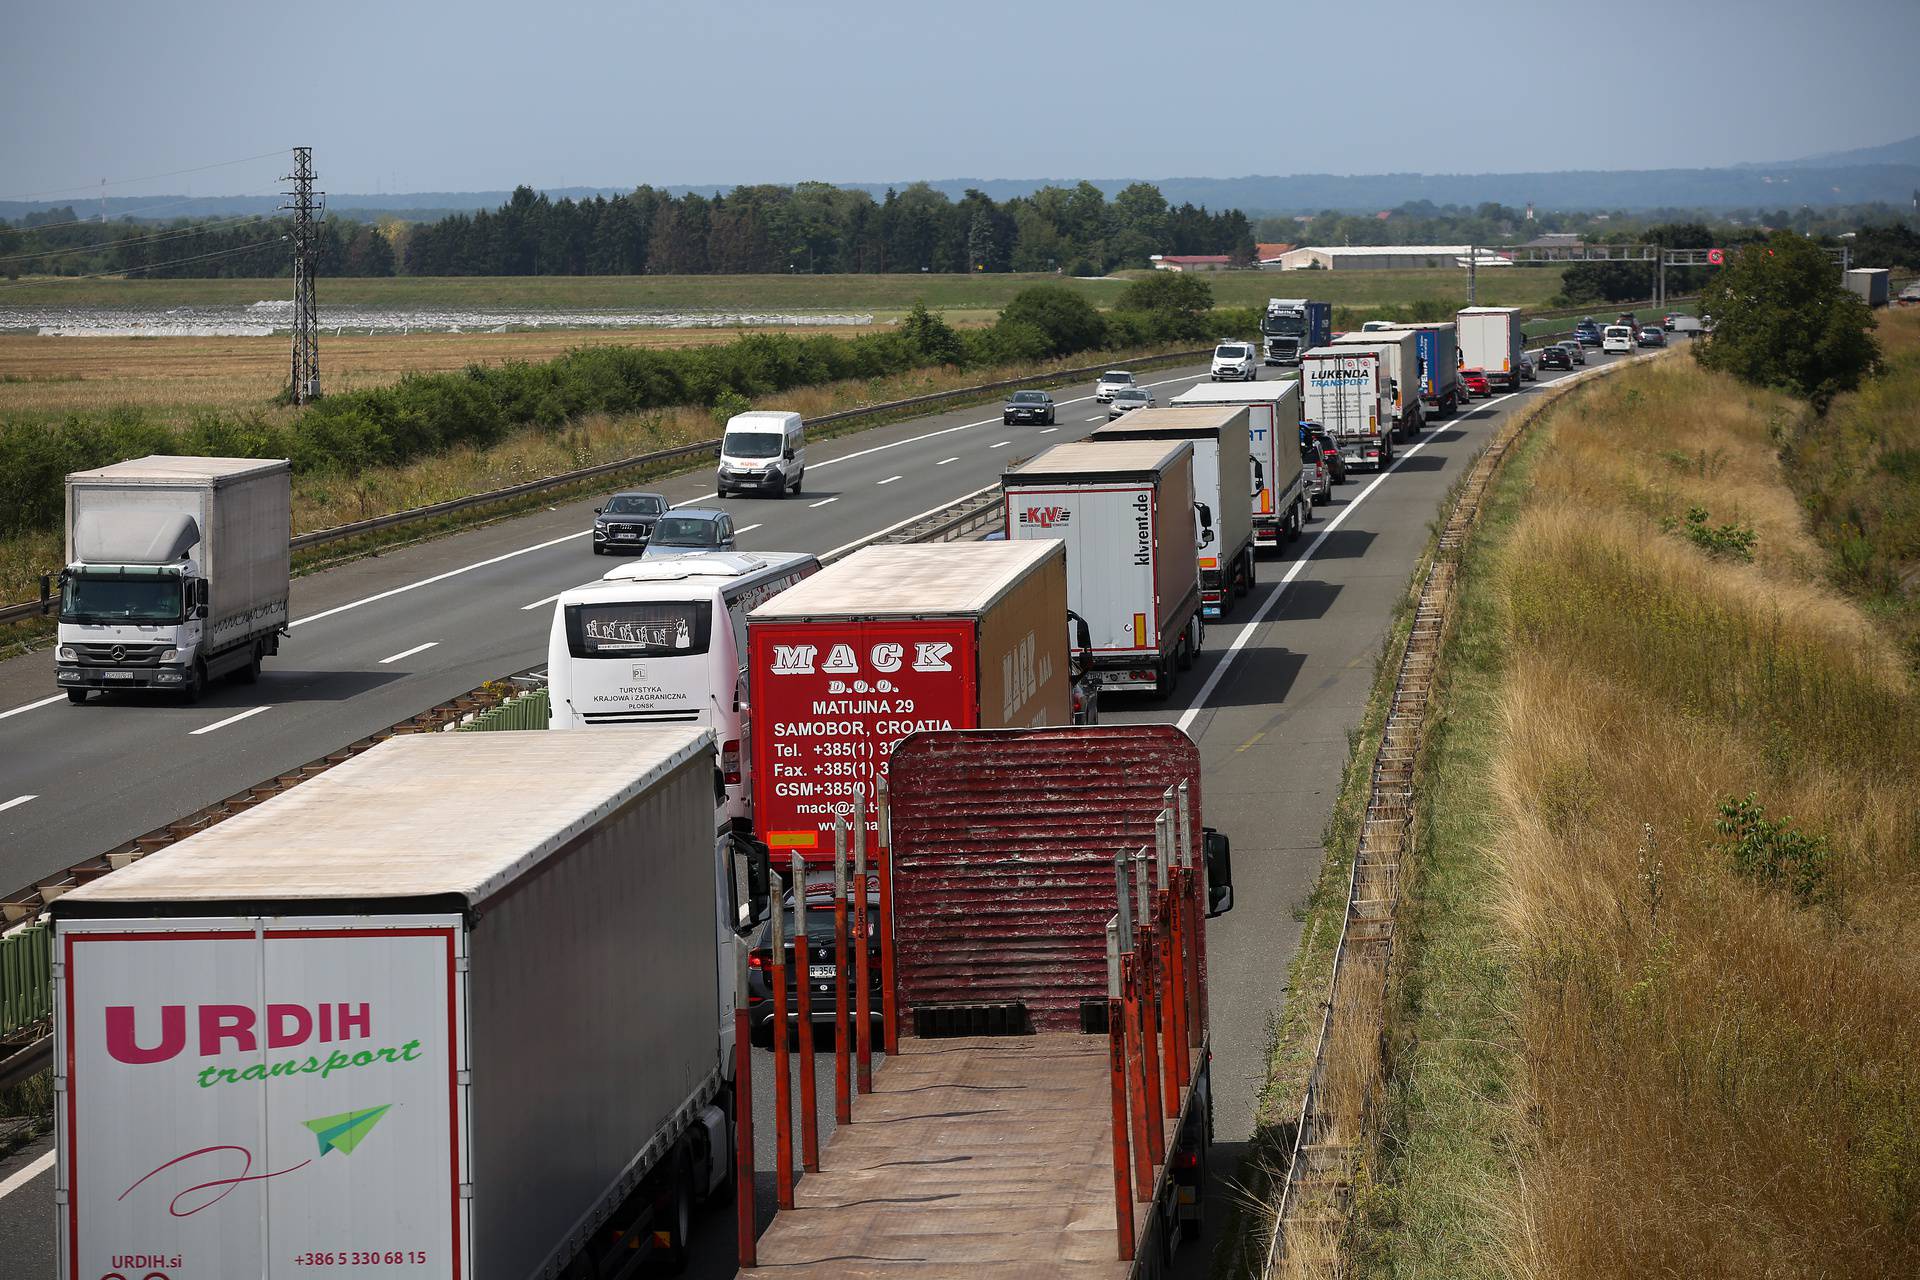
(653, 629)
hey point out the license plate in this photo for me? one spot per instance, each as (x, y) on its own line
(820, 971)
(626, 537)
(117, 675)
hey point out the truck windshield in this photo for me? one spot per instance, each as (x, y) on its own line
(1286, 325)
(752, 444)
(99, 598)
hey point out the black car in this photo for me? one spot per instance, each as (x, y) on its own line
(820, 962)
(1555, 357)
(1336, 461)
(626, 522)
(1028, 406)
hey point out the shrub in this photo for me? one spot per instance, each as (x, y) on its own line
(1068, 321)
(1782, 319)
(1732, 541)
(1771, 852)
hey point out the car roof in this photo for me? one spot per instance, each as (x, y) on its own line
(703, 513)
(637, 493)
(1116, 373)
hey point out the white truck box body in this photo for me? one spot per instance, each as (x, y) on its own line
(1344, 389)
(1491, 340)
(438, 1006)
(1222, 470)
(1871, 283)
(1273, 432)
(1401, 350)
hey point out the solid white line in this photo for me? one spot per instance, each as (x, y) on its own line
(943, 462)
(408, 653)
(27, 1173)
(537, 603)
(746, 529)
(221, 724)
(15, 802)
(823, 502)
(888, 480)
(31, 705)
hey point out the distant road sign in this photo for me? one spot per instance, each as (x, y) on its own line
(1716, 257)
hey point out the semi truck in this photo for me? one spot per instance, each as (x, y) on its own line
(1439, 350)
(1872, 284)
(1281, 505)
(1294, 326)
(891, 640)
(1048, 1111)
(453, 1008)
(1400, 350)
(1344, 391)
(1223, 468)
(1491, 340)
(1133, 531)
(176, 573)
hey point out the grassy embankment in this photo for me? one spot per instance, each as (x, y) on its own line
(1638, 1033)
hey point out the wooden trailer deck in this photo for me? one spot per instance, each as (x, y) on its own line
(974, 1158)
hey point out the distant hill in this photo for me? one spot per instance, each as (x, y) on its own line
(1906, 152)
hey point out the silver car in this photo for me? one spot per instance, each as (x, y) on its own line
(692, 529)
(1111, 381)
(1128, 399)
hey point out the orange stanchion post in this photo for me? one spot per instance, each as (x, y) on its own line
(782, 1069)
(1145, 947)
(1137, 1094)
(803, 988)
(842, 1073)
(1177, 980)
(889, 998)
(1171, 1050)
(862, 963)
(1117, 1073)
(743, 1122)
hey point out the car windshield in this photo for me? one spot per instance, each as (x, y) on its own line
(820, 928)
(635, 504)
(752, 444)
(92, 598)
(1029, 397)
(1116, 375)
(686, 531)
(1230, 353)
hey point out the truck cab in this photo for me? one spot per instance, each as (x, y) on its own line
(1293, 326)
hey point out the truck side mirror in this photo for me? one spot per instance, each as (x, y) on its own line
(1259, 474)
(1219, 854)
(1082, 655)
(1206, 523)
(759, 882)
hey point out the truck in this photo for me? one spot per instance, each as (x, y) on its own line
(1126, 514)
(451, 1009)
(1293, 326)
(1491, 340)
(1223, 469)
(1049, 1109)
(1344, 391)
(891, 640)
(1281, 504)
(1400, 349)
(1439, 350)
(176, 573)
(1872, 284)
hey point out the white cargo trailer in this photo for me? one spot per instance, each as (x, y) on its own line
(1126, 512)
(452, 1008)
(1400, 349)
(1344, 391)
(1223, 466)
(1281, 505)
(1491, 340)
(176, 573)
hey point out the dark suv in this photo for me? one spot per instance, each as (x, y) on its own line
(1027, 406)
(626, 522)
(820, 962)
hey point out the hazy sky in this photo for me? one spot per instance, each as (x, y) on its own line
(438, 96)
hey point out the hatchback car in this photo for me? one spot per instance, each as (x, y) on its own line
(1528, 372)
(1652, 335)
(1128, 399)
(1329, 451)
(1111, 381)
(1475, 381)
(626, 522)
(1555, 357)
(1027, 406)
(694, 529)
(1577, 351)
(1314, 473)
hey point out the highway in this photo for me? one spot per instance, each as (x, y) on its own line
(375, 640)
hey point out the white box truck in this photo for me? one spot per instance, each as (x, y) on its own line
(450, 1009)
(1222, 470)
(176, 573)
(1281, 505)
(1491, 340)
(1343, 390)
(1400, 348)
(1871, 283)
(1126, 512)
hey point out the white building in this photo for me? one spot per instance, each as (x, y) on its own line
(1387, 257)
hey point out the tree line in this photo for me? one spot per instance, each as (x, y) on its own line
(60, 244)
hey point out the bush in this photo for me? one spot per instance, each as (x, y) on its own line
(1782, 319)
(1773, 853)
(1180, 304)
(1069, 322)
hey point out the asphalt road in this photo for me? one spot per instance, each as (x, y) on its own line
(1280, 685)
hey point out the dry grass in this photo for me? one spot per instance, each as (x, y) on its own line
(1723, 1082)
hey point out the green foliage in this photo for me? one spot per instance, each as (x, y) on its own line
(1729, 541)
(1782, 319)
(1772, 853)
(932, 336)
(1182, 301)
(1069, 322)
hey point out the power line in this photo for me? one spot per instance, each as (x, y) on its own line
(151, 266)
(173, 234)
(152, 177)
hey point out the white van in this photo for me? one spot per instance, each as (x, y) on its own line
(665, 642)
(762, 452)
(1616, 337)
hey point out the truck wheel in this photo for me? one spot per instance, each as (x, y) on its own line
(680, 1222)
(250, 674)
(76, 696)
(196, 687)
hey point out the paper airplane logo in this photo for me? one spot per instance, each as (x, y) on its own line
(343, 1132)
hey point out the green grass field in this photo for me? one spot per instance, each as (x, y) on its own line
(882, 295)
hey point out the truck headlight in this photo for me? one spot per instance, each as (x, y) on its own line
(67, 654)
(168, 655)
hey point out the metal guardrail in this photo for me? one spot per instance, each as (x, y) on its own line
(529, 710)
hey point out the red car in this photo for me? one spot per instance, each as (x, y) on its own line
(1475, 381)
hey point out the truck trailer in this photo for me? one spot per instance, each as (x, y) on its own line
(176, 573)
(1223, 468)
(1293, 326)
(452, 1008)
(1872, 284)
(1400, 349)
(1281, 505)
(1344, 391)
(1439, 350)
(1048, 1110)
(1491, 340)
(891, 640)
(1133, 533)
